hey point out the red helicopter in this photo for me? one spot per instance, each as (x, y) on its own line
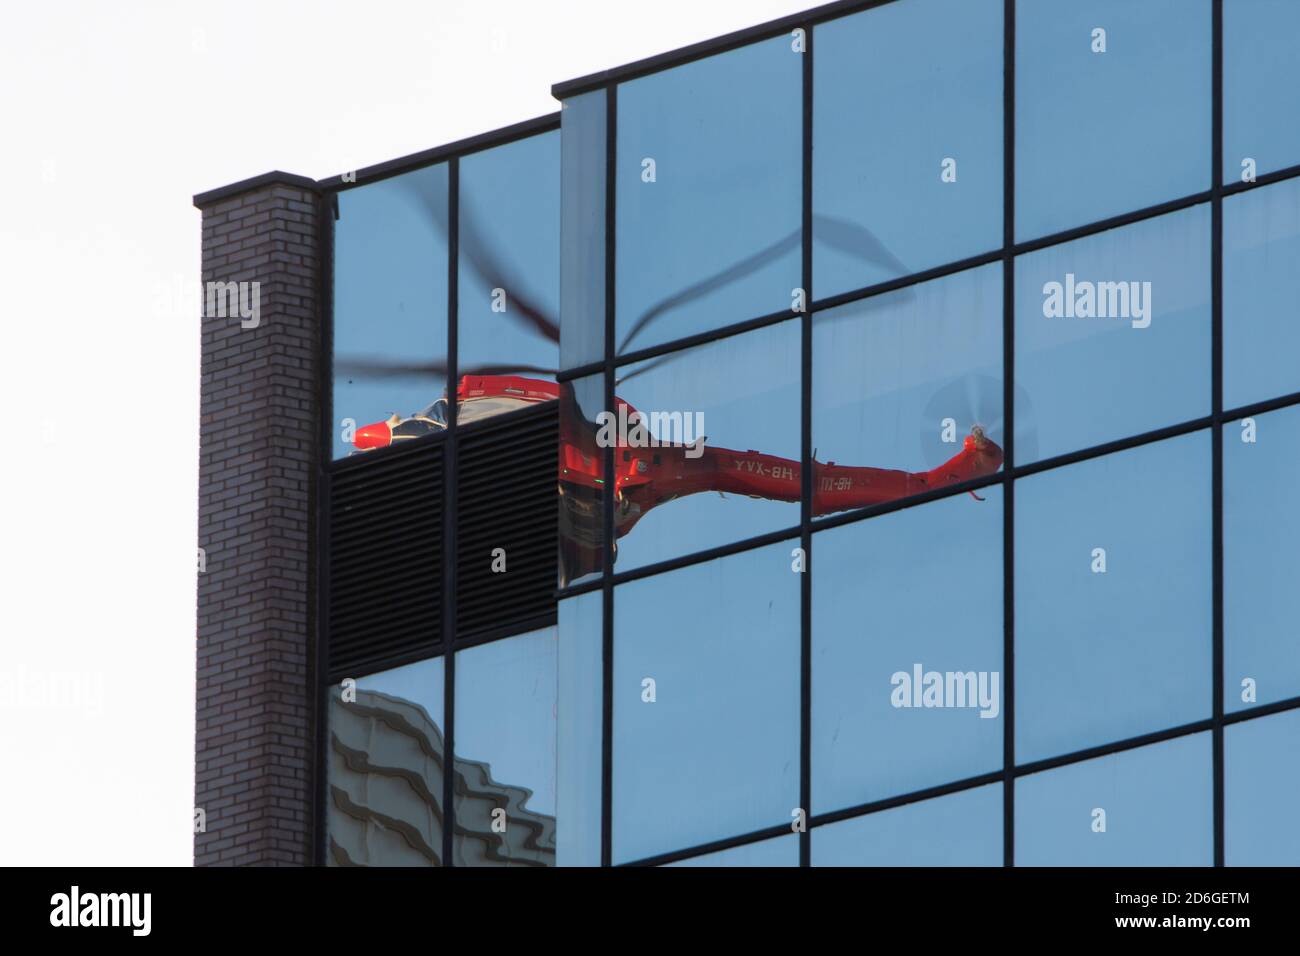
(648, 476)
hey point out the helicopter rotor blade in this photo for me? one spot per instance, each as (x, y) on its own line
(478, 255)
(851, 238)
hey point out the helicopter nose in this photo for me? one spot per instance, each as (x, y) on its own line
(378, 435)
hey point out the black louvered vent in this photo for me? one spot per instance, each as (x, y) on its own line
(385, 558)
(506, 499)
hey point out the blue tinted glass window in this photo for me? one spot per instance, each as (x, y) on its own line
(1113, 597)
(582, 229)
(716, 754)
(386, 753)
(925, 146)
(900, 381)
(961, 829)
(578, 721)
(1261, 769)
(390, 301)
(581, 480)
(1261, 293)
(907, 650)
(1156, 804)
(709, 187)
(742, 395)
(1113, 334)
(1261, 523)
(509, 268)
(505, 752)
(779, 851)
(1103, 133)
(1261, 85)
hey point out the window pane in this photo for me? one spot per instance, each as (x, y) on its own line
(1158, 805)
(1103, 133)
(578, 737)
(1261, 293)
(779, 851)
(505, 752)
(509, 275)
(385, 769)
(961, 829)
(1113, 334)
(582, 229)
(878, 160)
(390, 301)
(581, 480)
(896, 599)
(899, 382)
(1261, 523)
(1261, 768)
(1113, 597)
(741, 394)
(716, 754)
(710, 234)
(1261, 85)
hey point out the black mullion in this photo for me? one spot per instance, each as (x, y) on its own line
(1009, 431)
(806, 465)
(970, 783)
(1216, 402)
(607, 515)
(450, 479)
(935, 272)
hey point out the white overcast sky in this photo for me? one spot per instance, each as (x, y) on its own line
(112, 115)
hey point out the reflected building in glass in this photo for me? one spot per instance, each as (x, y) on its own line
(810, 450)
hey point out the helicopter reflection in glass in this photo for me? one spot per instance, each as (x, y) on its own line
(647, 477)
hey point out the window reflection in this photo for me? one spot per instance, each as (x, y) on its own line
(924, 146)
(720, 456)
(916, 589)
(390, 325)
(509, 275)
(708, 193)
(907, 390)
(505, 785)
(390, 304)
(716, 753)
(581, 480)
(1261, 768)
(961, 829)
(1149, 91)
(386, 758)
(1261, 86)
(1156, 804)
(1113, 597)
(1113, 333)
(1261, 523)
(582, 230)
(579, 716)
(1261, 293)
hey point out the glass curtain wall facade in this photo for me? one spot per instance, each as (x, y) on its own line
(940, 507)
(928, 411)
(445, 291)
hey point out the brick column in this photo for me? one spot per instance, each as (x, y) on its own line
(260, 421)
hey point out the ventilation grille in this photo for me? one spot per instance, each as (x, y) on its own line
(385, 559)
(506, 499)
